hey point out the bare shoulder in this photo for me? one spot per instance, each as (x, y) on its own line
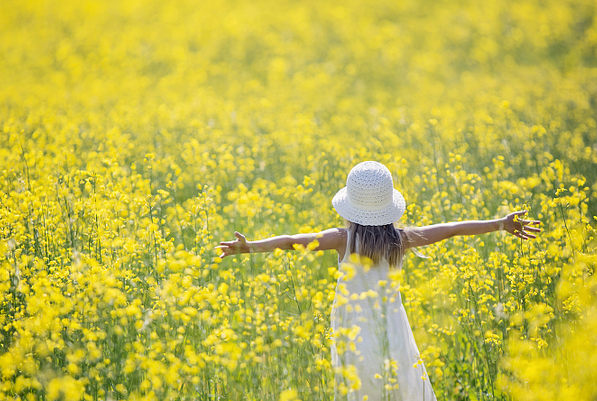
(337, 234)
(410, 236)
(333, 238)
(337, 231)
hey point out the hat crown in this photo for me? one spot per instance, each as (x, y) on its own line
(370, 186)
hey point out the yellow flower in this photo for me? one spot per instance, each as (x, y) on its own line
(289, 395)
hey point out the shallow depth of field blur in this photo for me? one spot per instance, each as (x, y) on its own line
(135, 135)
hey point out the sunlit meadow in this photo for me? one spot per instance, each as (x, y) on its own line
(135, 135)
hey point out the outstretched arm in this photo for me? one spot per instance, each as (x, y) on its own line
(512, 223)
(334, 238)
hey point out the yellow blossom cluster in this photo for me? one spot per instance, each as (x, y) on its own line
(137, 134)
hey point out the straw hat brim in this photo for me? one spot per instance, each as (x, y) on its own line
(379, 217)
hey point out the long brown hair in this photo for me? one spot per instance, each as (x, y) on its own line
(377, 242)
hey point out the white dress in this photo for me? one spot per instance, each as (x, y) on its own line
(374, 353)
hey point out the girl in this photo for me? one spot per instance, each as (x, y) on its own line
(374, 353)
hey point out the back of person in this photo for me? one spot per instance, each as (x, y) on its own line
(373, 337)
(359, 277)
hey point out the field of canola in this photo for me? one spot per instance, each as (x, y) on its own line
(135, 135)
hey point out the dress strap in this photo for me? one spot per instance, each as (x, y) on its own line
(347, 251)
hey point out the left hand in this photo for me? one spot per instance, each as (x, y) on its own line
(515, 225)
(233, 247)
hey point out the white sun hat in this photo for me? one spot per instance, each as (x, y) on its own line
(369, 197)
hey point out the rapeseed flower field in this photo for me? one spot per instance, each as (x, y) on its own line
(137, 134)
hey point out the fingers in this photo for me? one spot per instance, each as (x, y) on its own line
(517, 215)
(223, 249)
(533, 229)
(240, 236)
(226, 251)
(523, 235)
(520, 235)
(529, 221)
(526, 228)
(523, 228)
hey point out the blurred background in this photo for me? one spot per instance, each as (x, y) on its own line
(135, 135)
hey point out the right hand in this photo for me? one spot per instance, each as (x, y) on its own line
(515, 225)
(234, 247)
